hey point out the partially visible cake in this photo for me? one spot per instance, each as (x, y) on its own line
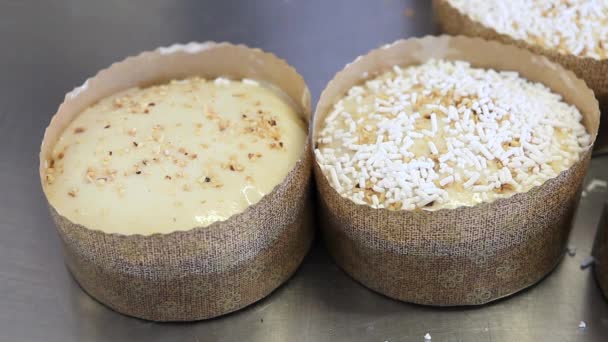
(174, 156)
(444, 134)
(577, 27)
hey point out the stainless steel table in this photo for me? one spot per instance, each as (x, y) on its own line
(48, 47)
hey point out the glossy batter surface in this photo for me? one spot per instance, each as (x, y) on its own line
(174, 156)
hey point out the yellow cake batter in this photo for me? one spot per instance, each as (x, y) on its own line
(173, 156)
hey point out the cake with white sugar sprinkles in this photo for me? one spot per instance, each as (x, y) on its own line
(444, 134)
(577, 27)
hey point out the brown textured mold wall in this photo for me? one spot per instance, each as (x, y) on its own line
(207, 271)
(593, 71)
(468, 255)
(600, 253)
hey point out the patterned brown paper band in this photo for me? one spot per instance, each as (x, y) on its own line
(206, 271)
(593, 71)
(600, 253)
(468, 255)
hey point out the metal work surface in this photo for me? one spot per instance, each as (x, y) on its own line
(48, 47)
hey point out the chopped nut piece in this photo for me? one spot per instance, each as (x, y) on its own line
(275, 145)
(90, 175)
(79, 130)
(223, 124)
(158, 136)
(208, 111)
(254, 156)
(119, 102)
(73, 192)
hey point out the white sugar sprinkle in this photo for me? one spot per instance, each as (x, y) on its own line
(588, 261)
(596, 184)
(433, 148)
(221, 81)
(250, 82)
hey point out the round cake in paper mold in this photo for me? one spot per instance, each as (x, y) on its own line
(413, 238)
(571, 33)
(179, 180)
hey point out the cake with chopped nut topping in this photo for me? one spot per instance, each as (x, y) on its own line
(444, 135)
(173, 156)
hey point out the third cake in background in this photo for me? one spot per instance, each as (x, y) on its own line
(576, 27)
(444, 135)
